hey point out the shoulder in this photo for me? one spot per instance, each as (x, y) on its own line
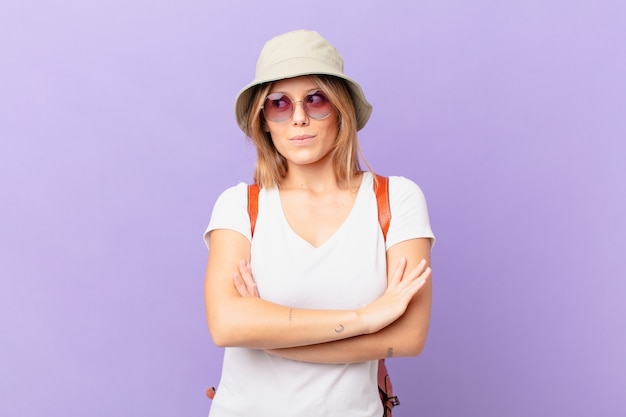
(403, 183)
(236, 193)
(409, 211)
(231, 211)
(401, 188)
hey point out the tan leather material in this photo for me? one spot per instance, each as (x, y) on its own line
(381, 188)
(253, 205)
(385, 389)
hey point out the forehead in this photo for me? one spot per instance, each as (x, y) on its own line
(302, 84)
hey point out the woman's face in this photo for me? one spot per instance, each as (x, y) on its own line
(302, 139)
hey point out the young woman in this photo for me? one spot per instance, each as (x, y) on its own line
(307, 304)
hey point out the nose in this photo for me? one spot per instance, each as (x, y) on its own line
(300, 116)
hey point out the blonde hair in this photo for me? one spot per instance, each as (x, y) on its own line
(271, 166)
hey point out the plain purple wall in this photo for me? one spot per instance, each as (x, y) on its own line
(117, 135)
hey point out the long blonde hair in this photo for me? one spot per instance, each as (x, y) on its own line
(271, 166)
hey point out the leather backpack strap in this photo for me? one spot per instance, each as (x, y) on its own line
(253, 205)
(385, 389)
(381, 188)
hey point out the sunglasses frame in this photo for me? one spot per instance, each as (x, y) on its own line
(302, 102)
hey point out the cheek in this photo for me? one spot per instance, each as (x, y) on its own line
(275, 144)
(273, 129)
(332, 128)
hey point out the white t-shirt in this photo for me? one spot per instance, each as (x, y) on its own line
(347, 271)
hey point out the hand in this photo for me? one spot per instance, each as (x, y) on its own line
(243, 281)
(400, 291)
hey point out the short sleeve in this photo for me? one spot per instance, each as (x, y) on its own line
(409, 213)
(231, 212)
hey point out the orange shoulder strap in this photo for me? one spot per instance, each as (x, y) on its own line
(253, 205)
(381, 189)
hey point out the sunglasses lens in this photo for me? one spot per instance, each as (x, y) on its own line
(277, 107)
(317, 105)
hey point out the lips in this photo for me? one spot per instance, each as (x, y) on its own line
(301, 139)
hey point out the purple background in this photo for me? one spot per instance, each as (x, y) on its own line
(117, 135)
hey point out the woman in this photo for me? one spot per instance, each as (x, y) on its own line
(307, 306)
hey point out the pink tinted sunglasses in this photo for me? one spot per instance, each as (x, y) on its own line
(279, 108)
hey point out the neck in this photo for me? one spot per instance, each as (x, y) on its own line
(314, 178)
(317, 179)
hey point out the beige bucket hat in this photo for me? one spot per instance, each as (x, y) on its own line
(301, 52)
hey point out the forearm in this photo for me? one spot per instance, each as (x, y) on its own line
(356, 349)
(405, 337)
(255, 323)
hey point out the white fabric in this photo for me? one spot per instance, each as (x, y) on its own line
(348, 271)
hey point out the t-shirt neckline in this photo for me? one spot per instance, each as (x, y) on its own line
(365, 179)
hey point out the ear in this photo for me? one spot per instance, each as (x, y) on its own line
(266, 129)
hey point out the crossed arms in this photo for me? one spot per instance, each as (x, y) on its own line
(395, 324)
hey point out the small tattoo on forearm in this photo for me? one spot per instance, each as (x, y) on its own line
(390, 352)
(290, 314)
(339, 329)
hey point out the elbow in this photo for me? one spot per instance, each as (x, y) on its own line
(229, 327)
(223, 331)
(220, 332)
(219, 339)
(229, 334)
(223, 340)
(222, 335)
(414, 347)
(221, 343)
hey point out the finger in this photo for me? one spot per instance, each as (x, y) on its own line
(421, 280)
(408, 279)
(396, 276)
(250, 281)
(240, 286)
(246, 274)
(417, 271)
